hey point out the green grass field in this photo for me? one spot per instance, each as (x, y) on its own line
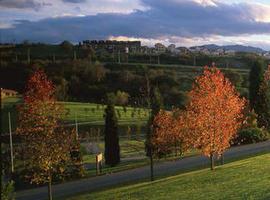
(86, 113)
(247, 179)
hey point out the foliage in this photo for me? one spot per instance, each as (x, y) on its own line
(45, 144)
(214, 113)
(170, 132)
(112, 148)
(263, 106)
(121, 98)
(251, 135)
(255, 80)
(156, 104)
(76, 168)
(67, 46)
(7, 190)
(235, 77)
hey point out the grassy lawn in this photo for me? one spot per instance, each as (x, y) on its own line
(247, 179)
(87, 113)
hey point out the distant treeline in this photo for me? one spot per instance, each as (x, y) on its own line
(88, 81)
(28, 52)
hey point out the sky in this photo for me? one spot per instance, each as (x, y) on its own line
(182, 22)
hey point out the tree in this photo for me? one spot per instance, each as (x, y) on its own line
(46, 145)
(235, 77)
(67, 46)
(156, 103)
(263, 106)
(112, 148)
(170, 132)
(121, 98)
(214, 113)
(255, 80)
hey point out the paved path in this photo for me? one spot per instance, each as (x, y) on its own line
(90, 184)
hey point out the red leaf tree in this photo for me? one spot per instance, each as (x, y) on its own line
(45, 145)
(214, 113)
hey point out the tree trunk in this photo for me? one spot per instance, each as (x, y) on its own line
(151, 166)
(50, 188)
(222, 159)
(212, 161)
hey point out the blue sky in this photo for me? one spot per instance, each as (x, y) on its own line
(183, 22)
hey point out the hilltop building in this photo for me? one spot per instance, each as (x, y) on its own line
(160, 48)
(113, 46)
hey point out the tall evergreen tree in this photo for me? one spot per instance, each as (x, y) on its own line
(264, 101)
(156, 103)
(112, 148)
(255, 80)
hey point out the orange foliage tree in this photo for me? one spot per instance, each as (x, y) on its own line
(169, 132)
(214, 113)
(46, 146)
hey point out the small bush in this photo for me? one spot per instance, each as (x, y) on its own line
(83, 150)
(251, 135)
(7, 191)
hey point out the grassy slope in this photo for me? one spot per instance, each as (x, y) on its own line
(244, 179)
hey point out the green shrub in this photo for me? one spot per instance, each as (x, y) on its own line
(83, 150)
(251, 135)
(7, 191)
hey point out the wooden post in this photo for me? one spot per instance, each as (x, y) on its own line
(212, 161)
(98, 163)
(151, 165)
(76, 127)
(50, 188)
(11, 144)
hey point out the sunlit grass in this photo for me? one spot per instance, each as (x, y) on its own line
(243, 180)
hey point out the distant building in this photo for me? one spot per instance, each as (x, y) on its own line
(218, 52)
(113, 46)
(160, 48)
(230, 52)
(183, 50)
(8, 93)
(147, 50)
(267, 55)
(172, 49)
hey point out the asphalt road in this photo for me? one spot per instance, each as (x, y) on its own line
(165, 168)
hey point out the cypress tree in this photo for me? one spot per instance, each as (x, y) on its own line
(112, 148)
(255, 80)
(264, 101)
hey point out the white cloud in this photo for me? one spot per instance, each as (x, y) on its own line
(262, 41)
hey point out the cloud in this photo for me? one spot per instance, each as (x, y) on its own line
(74, 1)
(162, 19)
(22, 4)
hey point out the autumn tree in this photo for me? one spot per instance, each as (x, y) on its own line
(170, 132)
(155, 103)
(214, 113)
(45, 145)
